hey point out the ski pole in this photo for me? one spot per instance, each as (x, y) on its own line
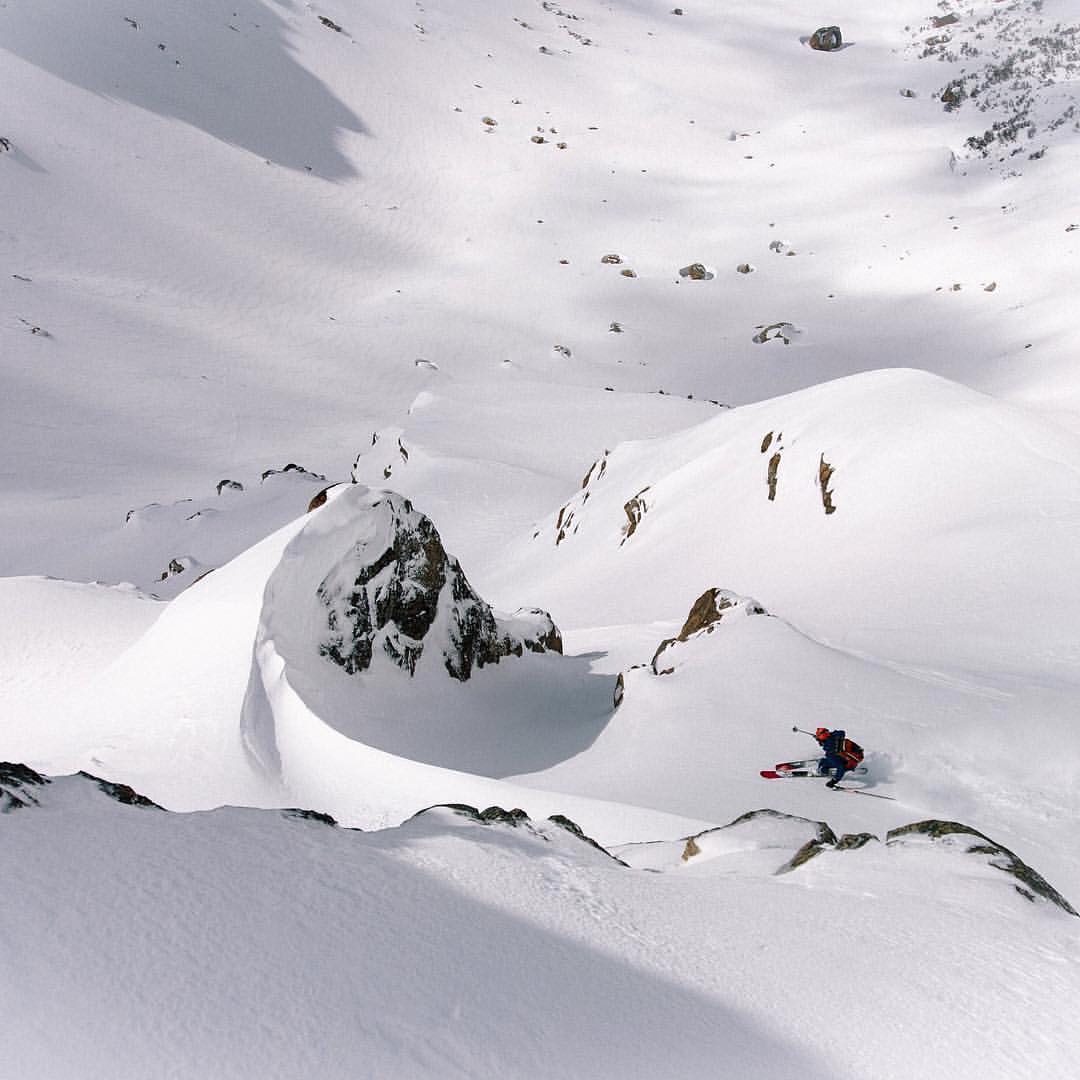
(810, 733)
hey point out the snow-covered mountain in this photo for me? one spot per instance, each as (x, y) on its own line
(495, 428)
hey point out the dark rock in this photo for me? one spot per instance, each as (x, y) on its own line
(826, 39)
(121, 793)
(329, 24)
(318, 500)
(292, 467)
(309, 815)
(612, 260)
(15, 780)
(390, 598)
(744, 268)
(1031, 885)
(229, 485)
(620, 691)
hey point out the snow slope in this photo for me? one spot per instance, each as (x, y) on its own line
(445, 249)
(246, 944)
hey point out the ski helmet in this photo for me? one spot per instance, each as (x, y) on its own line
(822, 733)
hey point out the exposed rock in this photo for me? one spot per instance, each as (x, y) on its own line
(709, 608)
(628, 272)
(292, 467)
(854, 841)
(177, 566)
(517, 818)
(122, 793)
(938, 21)
(766, 442)
(229, 485)
(825, 471)
(397, 584)
(309, 815)
(615, 328)
(773, 474)
(1030, 884)
(538, 139)
(15, 780)
(782, 331)
(319, 499)
(826, 39)
(744, 268)
(696, 272)
(611, 260)
(619, 692)
(634, 509)
(330, 24)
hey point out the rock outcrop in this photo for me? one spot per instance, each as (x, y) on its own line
(708, 609)
(397, 593)
(16, 784)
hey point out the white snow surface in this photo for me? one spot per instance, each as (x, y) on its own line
(258, 250)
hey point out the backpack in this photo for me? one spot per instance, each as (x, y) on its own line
(852, 751)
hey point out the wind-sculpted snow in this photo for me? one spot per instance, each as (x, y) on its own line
(266, 943)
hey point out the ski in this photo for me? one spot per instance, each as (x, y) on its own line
(787, 770)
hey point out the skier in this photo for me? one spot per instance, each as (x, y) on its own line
(840, 752)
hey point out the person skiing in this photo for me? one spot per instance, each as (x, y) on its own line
(841, 754)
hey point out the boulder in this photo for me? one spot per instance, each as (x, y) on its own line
(826, 39)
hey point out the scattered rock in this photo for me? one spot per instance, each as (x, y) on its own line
(826, 39)
(562, 350)
(330, 24)
(615, 328)
(611, 260)
(619, 692)
(628, 272)
(229, 485)
(991, 287)
(938, 21)
(538, 139)
(908, 93)
(489, 121)
(744, 268)
(5, 144)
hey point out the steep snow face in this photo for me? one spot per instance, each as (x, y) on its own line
(397, 593)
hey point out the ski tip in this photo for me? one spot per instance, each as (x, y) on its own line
(770, 774)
